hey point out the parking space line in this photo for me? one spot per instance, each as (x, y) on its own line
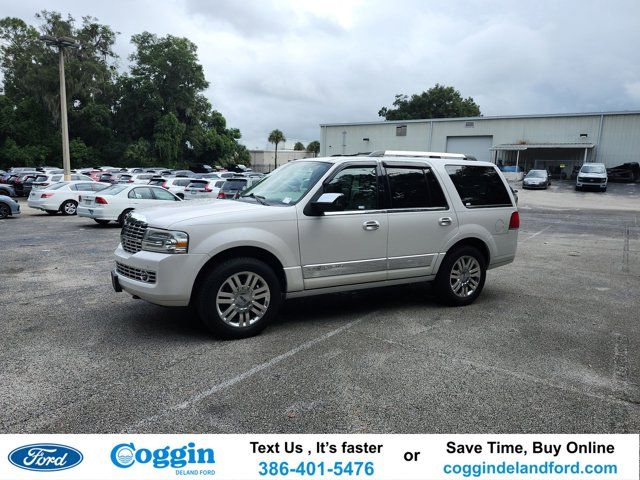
(242, 376)
(535, 234)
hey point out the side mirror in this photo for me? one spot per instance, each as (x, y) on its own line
(328, 202)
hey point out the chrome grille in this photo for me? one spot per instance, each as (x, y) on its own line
(146, 276)
(132, 234)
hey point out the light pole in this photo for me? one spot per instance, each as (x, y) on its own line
(62, 43)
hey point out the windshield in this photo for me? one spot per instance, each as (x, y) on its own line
(592, 169)
(113, 190)
(536, 174)
(289, 183)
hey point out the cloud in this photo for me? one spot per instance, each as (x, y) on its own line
(295, 64)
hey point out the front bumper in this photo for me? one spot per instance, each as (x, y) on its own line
(174, 275)
(534, 185)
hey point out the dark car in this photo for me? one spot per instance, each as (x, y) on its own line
(20, 184)
(233, 187)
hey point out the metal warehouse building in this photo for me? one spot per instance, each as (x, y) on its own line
(556, 142)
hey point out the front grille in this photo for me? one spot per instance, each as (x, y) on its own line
(132, 234)
(591, 180)
(146, 276)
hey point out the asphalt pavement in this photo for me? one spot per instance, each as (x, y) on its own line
(550, 346)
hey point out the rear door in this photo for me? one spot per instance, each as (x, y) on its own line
(141, 197)
(421, 221)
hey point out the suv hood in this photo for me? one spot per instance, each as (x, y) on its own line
(179, 212)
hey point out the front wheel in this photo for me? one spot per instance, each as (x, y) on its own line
(461, 276)
(238, 298)
(69, 207)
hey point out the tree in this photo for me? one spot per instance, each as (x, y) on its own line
(299, 147)
(437, 102)
(167, 139)
(275, 137)
(314, 147)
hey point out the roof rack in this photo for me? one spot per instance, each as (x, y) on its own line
(402, 153)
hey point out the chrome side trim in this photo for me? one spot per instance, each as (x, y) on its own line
(353, 212)
(344, 268)
(410, 261)
(421, 209)
(359, 286)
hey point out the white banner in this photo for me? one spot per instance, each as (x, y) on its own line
(380, 457)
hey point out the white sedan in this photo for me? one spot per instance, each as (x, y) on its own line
(118, 201)
(62, 197)
(203, 188)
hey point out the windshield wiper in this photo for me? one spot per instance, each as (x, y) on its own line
(258, 198)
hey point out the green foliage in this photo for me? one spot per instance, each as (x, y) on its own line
(299, 147)
(314, 147)
(437, 102)
(153, 114)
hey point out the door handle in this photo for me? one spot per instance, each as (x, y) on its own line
(444, 221)
(371, 225)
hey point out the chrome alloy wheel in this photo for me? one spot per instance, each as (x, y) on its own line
(243, 299)
(465, 276)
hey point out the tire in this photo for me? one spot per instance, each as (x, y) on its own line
(102, 222)
(578, 188)
(467, 262)
(217, 294)
(5, 211)
(604, 189)
(51, 212)
(70, 207)
(123, 216)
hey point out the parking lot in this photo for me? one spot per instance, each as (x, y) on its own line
(550, 346)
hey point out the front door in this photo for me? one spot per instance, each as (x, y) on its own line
(347, 246)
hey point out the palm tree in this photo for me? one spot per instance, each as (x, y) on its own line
(276, 137)
(314, 147)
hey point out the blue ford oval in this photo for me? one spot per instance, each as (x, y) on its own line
(45, 457)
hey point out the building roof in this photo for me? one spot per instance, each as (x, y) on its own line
(498, 117)
(526, 146)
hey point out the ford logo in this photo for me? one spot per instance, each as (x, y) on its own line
(45, 457)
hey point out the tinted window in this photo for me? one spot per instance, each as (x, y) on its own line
(157, 182)
(415, 188)
(162, 194)
(142, 193)
(84, 187)
(41, 178)
(479, 186)
(56, 178)
(181, 183)
(359, 185)
(219, 184)
(234, 184)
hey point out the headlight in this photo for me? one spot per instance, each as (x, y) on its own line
(165, 241)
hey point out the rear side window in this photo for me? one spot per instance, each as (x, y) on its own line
(162, 194)
(415, 188)
(41, 178)
(56, 178)
(479, 186)
(158, 182)
(142, 193)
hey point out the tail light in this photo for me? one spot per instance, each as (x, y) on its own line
(220, 194)
(514, 222)
(101, 201)
(164, 185)
(207, 189)
(130, 180)
(46, 195)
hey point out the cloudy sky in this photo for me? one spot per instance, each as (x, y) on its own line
(293, 64)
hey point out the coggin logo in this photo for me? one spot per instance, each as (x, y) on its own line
(45, 457)
(125, 455)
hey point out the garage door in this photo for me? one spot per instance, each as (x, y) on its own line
(479, 147)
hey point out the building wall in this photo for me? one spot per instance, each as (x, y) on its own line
(618, 142)
(264, 160)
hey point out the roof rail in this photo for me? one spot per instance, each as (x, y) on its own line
(402, 153)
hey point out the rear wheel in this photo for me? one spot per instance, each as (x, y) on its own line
(461, 276)
(238, 298)
(5, 211)
(123, 216)
(69, 207)
(102, 222)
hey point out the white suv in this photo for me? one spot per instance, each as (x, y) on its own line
(323, 225)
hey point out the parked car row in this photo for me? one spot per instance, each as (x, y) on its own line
(589, 175)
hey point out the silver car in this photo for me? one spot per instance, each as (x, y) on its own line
(536, 179)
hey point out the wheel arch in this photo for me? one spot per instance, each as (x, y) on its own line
(473, 242)
(242, 251)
